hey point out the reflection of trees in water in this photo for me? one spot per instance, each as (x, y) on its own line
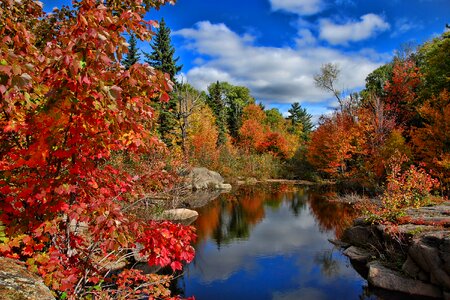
(233, 215)
(297, 201)
(328, 265)
(331, 215)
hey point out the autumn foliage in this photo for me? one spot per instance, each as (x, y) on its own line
(408, 118)
(66, 105)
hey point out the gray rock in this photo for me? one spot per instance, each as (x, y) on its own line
(362, 236)
(224, 186)
(202, 178)
(111, 265)
(339, 243)
(180, 215)
(17, 283)
(138, 256)
(413, 270)
(385, 278)
(358, 255)
(425, 253)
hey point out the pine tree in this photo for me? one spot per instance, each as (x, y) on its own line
(162, 58)
(216, 102)
(162, 55)
(133, 54)
(299, 115)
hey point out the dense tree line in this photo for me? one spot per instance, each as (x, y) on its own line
(218, 127)
(401, 116)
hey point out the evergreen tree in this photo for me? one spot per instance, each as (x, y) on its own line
(162, 58)
(216, 102)
(162, 55)
(133, 54)
(299, 115)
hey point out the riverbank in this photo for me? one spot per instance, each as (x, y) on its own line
(412, 256)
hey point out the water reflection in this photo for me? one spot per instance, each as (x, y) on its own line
(270, 244)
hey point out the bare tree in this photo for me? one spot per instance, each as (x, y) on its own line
(188, 100)
(326, 80)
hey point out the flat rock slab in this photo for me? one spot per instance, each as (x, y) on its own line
(17, 283)
(385, 278)
(359, 255)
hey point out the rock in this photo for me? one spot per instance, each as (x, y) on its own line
(17, 283)
(437, 215)
(385, 278)
(202, 178)
(339, 243)
(446, 296)
(425, 252)
(137, 256)
(180, 215)
(413, 270)
(224, 186)
(362, 236)
(445, 254)
(358, 255)
(146, 268)
(111, 265)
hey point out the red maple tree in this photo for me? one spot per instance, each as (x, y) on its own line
(66, 104)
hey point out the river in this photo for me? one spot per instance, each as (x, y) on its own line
(271, 243)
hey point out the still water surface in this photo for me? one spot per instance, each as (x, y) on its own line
(271, 243)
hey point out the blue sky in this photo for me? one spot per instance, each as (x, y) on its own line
(274, 47)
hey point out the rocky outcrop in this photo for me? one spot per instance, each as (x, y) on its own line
(202, 178)
(17, 283)
(385, 278)
(422, 246)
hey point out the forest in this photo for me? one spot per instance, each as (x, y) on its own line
(89, 129)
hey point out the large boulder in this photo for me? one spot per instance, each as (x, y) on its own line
(202, 178)
(180, 215)
(362, 236)
(17, 283)
(385, 278)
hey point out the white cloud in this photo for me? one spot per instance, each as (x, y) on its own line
(352, 31)
(299, 7)
(282, 75)
(403, 25)
(305, 38)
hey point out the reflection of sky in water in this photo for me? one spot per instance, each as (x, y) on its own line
(284, 257)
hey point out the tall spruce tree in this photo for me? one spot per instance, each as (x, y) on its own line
(216, 102)
(162, 58)
(299, 115)
(133, 55)
(162, 55)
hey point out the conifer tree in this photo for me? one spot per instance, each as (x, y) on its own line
(299, 115)
(162, 55)
(133, 55)
(216, 102)
(162, 58)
